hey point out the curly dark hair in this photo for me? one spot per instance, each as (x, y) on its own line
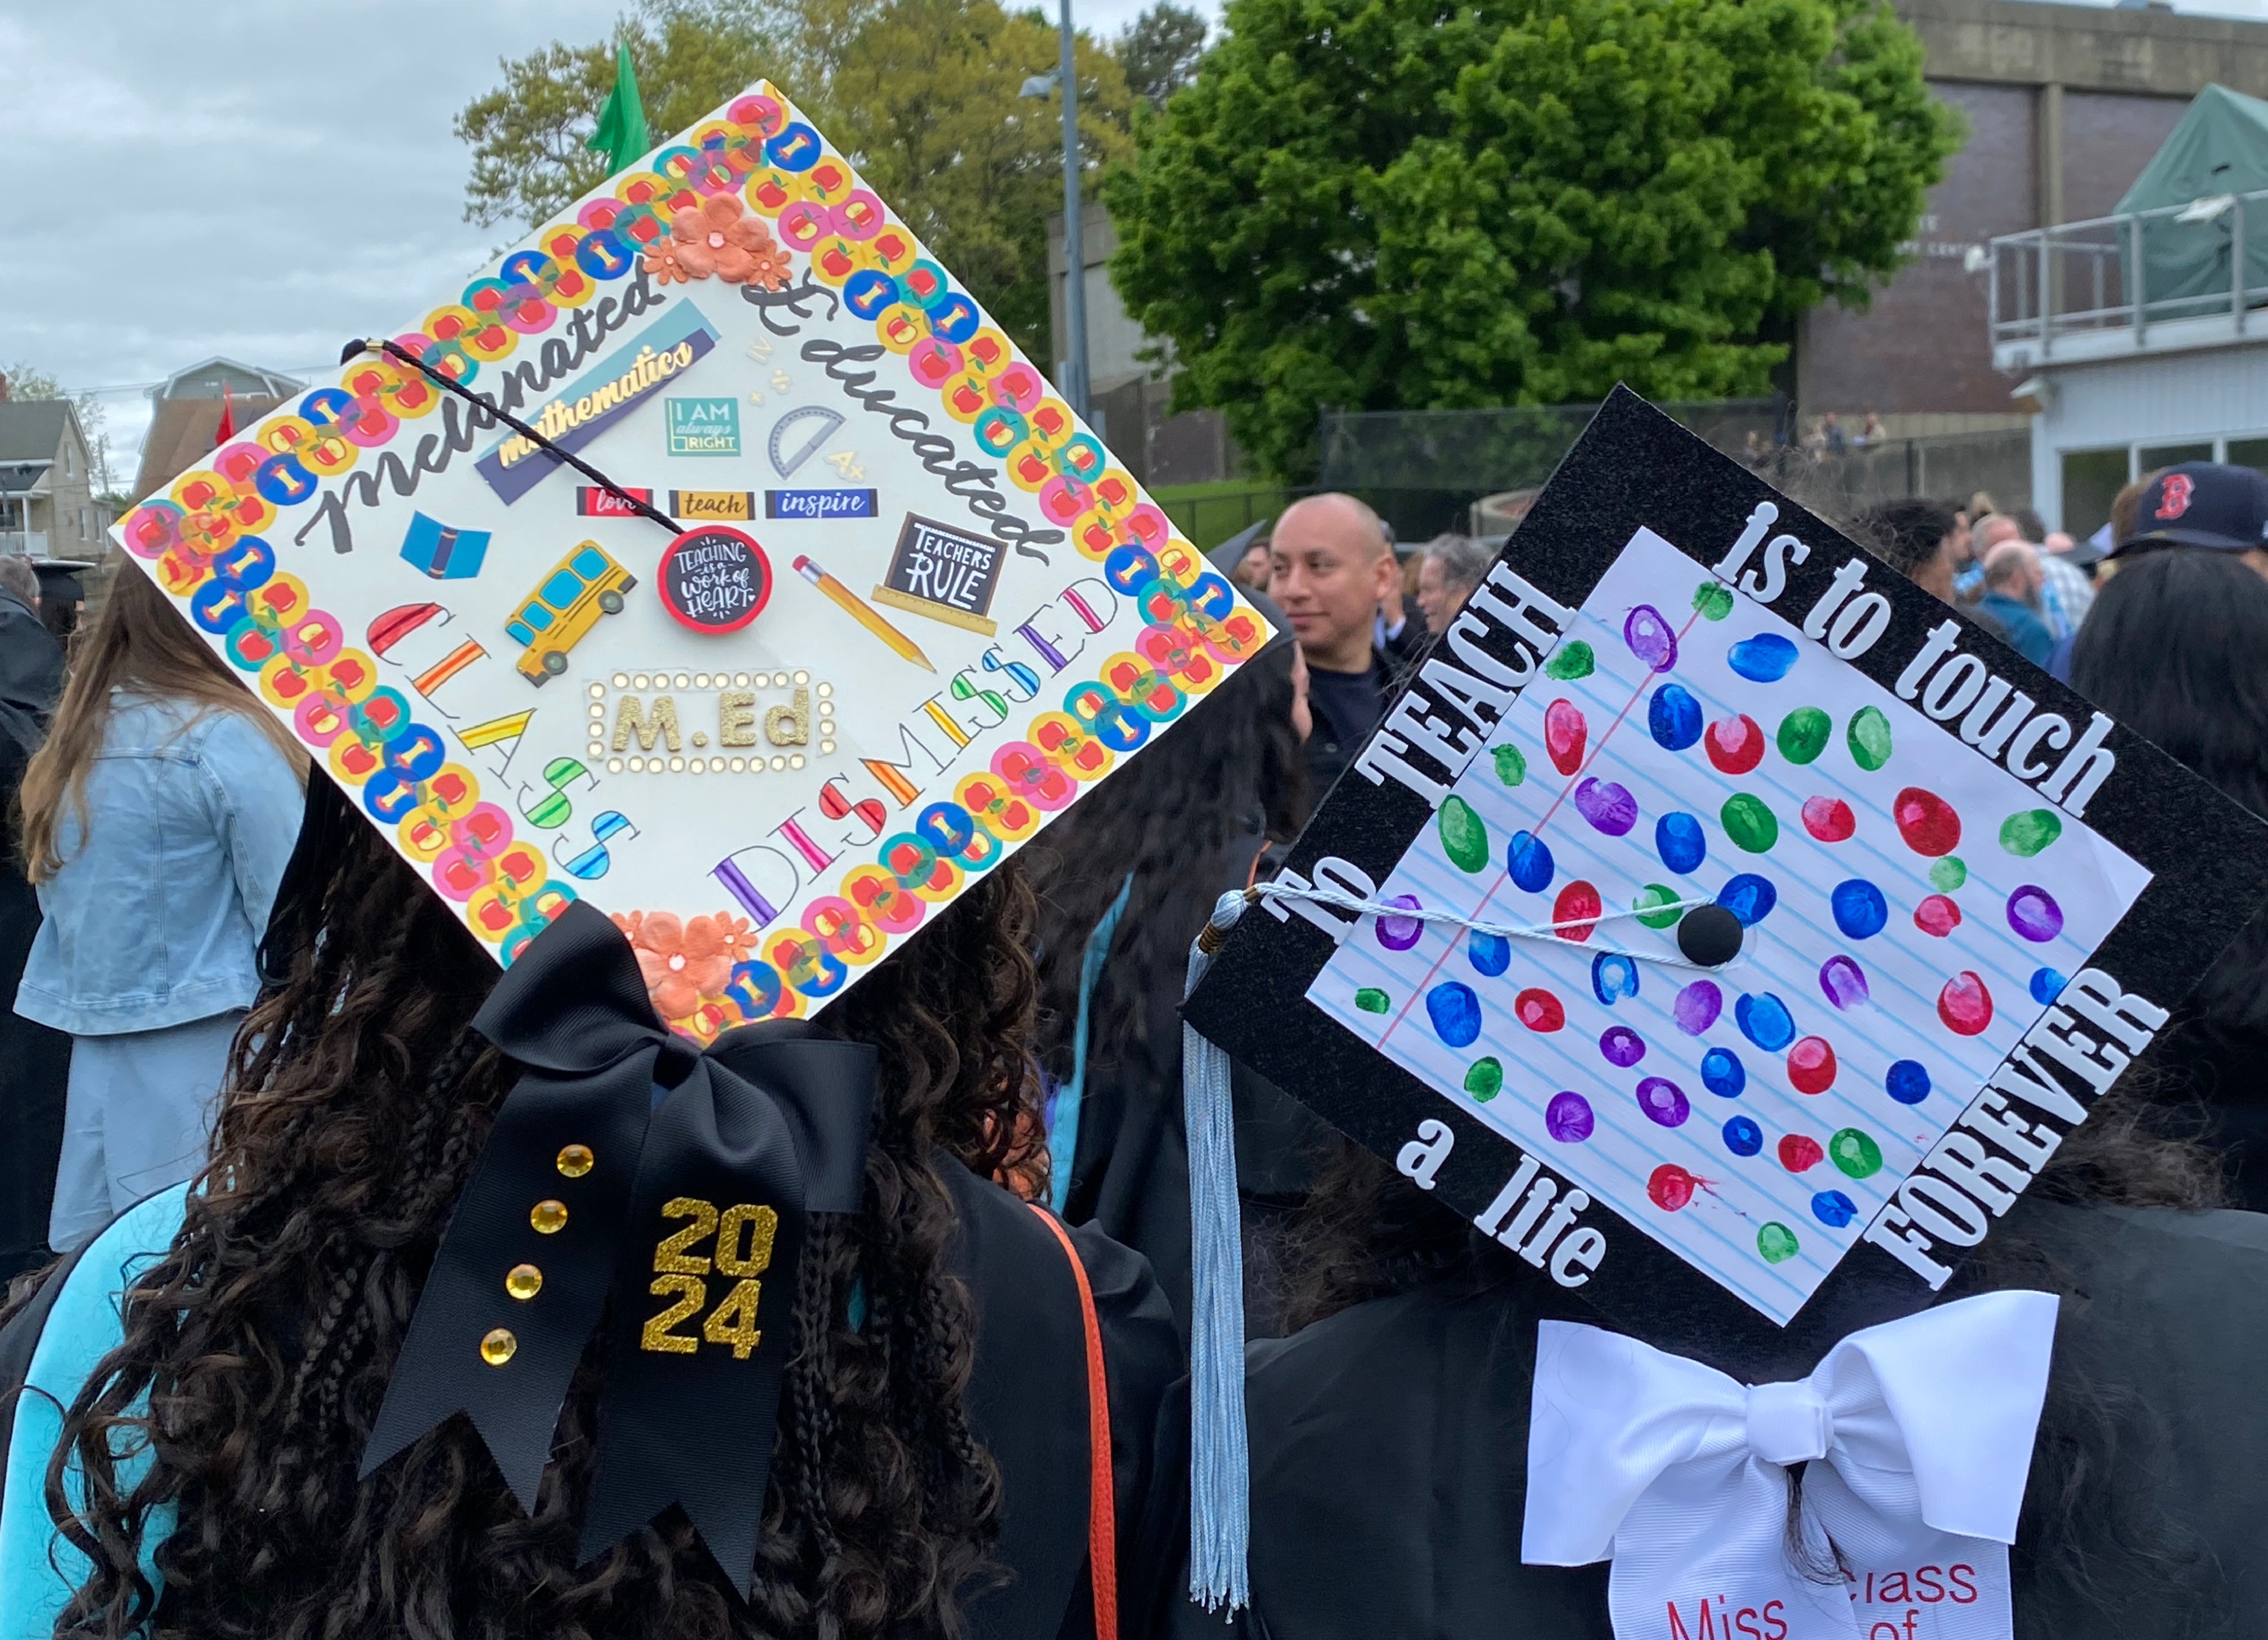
(264, 1337)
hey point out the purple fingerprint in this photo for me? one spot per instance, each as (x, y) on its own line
(1698, 1006)
(1399, 933)
(1608, 806)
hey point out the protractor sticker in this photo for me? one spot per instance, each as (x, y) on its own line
(797, 436)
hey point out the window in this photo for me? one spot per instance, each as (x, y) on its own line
(562, 589)
(2150, 457)
(536, 615)
(2091, 480)
(2252, 452)
(590, 563)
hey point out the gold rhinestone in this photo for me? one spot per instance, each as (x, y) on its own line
(827, 746)
(699, 679)
(622, 681)
(803, 677)
(779, 680)
(637, 766)
(598, 708)
(523, 1281)
(676, 765)
(683, 681)
(739, 763)
(795, 761)
(639, 681)
(548, 1218)
(614, 766)
(779, 763)
(598, 692)
(575, 1161)
(826, 689)
(741, 680)
(497, 1347)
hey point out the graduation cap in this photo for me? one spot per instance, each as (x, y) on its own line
(1732, 932)
(756, 728)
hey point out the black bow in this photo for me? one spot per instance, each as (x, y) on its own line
(623, 1149)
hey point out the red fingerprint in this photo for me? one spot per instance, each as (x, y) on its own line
(1539, 1010)
(1829, 819)
(1926, 821)
(1671, 1187)
(1937, 916)
(1734, 746)
(1565, 733)
(1578, 903)
(1964, 1004)
(1811, 1066)
(1797, 1154)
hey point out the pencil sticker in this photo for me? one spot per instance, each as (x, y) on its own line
(860, 611)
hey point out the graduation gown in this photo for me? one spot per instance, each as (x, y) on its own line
(1027, 1398)
(1390, 1452)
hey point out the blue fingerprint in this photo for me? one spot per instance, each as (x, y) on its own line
(1456, 1013)
(2047, 985)
(1907, 1082)
(1743, 1137)
(1750, 898)
(1763, 659)
(1722, 1073)
(1833, 1209)
(1765, 1020)
(1490, 953)
(1529, 860)
(1613, 975)
(1674, 717)
(1859, 910)
(1680, 842)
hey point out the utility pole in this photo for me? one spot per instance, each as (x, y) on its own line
(1074, 369)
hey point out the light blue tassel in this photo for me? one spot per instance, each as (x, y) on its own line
(1220, 1509)
(1062, 1135)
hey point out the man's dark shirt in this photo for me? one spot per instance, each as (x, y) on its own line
(1347, 706)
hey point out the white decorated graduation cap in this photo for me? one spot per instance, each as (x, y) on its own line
(711, 556)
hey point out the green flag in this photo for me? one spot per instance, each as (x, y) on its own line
(621, 135)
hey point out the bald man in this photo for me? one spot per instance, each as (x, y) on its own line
(2012, 597)
(1329, 566)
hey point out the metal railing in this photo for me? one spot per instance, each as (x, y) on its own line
(2088, 278)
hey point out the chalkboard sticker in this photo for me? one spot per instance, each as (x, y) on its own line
(944, 575)
(715, 580)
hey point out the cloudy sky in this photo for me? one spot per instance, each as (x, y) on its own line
(285, 174)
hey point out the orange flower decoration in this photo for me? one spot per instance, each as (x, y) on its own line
(770, 270)
(716, 236)
(663, 261)
(682, 961)
(738, 939)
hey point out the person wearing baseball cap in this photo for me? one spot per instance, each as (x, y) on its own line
(2203, 504)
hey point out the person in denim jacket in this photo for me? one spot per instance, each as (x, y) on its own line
(158, 820)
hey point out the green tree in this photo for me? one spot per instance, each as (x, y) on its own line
(27, 382)
(1158, 51)
(1384, 204)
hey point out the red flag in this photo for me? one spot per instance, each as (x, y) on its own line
(226, 430)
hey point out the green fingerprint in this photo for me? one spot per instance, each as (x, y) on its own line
(1749, 823)
(1947, 874)
(1803, 734)
(2029, 833)
(1574, 660)
(1656, 894)
(1511, 767)
(1855, 1153)
(1870, 737)
(1464, 835)
(1370, 999)
(1777, 1242)
(1713, 601)
(1485, 1080)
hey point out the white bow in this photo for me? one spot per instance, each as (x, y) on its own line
(1680, 1474)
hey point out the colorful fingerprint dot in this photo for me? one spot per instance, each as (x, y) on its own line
(1663, 1101)
(1964, 1004)
(1937, 916)
(1723, 1074)
(1608, 806)
(1485, 1080)
(1829, 819)
(1565, 735)
(1749, 897)
(1766, 658)
(1776, 1243)
(1906, 1081)
(1833, 1209)
(1577, 906)
(1843, 982)
(1947, 874)
(1672, 717)
(1613, 977)
(1527, 862)
(1713, 601)
(1680, 842)
(1568, 1118)
(1803, 734)
(2025, 834)
(1650, 637)
(1859, 909)
(1370, 999)
(1539, 1010)
(1456, 1013)
(1696, 1007)
(1750, 823)
(1765, 1020)
(1570, 661)
(1736, 744)
(1648, 901)
(1400, 933)
(1868, 737)
(1926, 821)
(2034, 915)
(1742, 1136)
(2047, 985)
(1489, 953)
(1511, 764)
(1811, 1065)
(1669, 1187)
(1855, 1153)
(1800, 1152)
(1463, 834)
(1620, 1047)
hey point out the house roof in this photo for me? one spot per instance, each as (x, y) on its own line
(204, 379)
(31, 430)
(182, 432)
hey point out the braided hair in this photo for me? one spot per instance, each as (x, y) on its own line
(261, 1343)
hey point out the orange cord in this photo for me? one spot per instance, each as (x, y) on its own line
(1103, 1504)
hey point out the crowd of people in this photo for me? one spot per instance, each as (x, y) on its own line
(251, 991)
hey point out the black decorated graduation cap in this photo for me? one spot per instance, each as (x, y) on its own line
(1746, 928)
